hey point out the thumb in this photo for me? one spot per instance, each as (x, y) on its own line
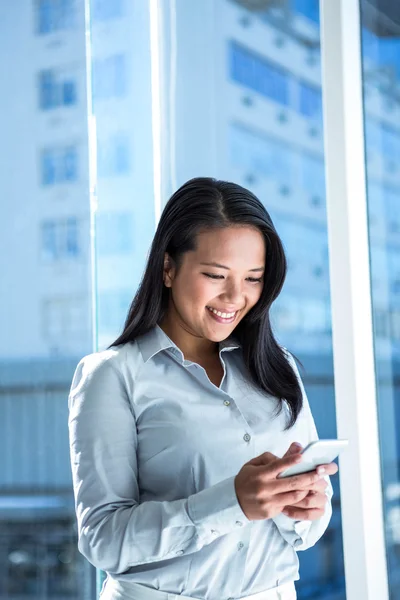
(294, 448)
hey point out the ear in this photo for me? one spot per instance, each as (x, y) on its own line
(169, 270)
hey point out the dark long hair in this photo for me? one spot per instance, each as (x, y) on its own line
(206, 203)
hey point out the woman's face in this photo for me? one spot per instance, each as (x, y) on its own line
(224, 274)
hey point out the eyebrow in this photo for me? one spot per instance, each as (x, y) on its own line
(214, 264)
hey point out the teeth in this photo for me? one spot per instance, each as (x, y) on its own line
(222, 314)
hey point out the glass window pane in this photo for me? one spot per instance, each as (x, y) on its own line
(381, 78)
(45, 317)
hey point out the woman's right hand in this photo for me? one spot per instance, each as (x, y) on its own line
(261, 495)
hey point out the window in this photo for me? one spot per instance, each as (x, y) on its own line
(54, 15)
(390, 142)
(257, 73)
(65, 316)
(260, 154)
(60, 239)
(103, 10)
(109, 77)
(308, 8)
(56, 88)
(114, 233)
(312, 175)
(310, 103)
(112, 307)
(113, 156)
(59, 165)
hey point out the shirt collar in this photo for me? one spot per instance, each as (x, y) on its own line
(156, 340)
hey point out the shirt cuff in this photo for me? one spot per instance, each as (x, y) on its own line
(216, 511)
(294, 532)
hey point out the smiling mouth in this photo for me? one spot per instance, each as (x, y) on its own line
(223, 315)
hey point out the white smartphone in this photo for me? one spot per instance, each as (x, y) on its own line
(317, 453)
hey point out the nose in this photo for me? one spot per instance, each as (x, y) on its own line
(233, 293)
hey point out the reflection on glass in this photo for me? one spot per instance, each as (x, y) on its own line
(381, 80)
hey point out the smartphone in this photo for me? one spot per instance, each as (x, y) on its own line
(317, 453)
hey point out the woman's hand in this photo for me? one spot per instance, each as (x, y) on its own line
(262, 495)
(311, 507)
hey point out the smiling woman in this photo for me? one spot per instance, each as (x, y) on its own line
(194, 405)
(211, 221)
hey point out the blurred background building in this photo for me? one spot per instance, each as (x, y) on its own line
(91, 99)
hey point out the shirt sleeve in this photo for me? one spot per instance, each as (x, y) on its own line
(115, 530)
(304, 534)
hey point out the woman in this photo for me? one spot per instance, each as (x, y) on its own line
(176, 429)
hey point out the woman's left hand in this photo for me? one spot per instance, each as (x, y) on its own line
(312, 507)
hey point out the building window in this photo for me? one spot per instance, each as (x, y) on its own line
(64, 316)
(307, 8)
(109, 77)
(56, 88)
(310, 101)
(255, 72)
(104, 10)
(114, 233)
(261, 154)
(60, 239)
(113, 156)
(54, 15)
(312, 176)
(59, 165)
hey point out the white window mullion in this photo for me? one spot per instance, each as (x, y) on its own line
(353, 342)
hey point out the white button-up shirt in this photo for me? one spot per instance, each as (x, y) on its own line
(155, 448)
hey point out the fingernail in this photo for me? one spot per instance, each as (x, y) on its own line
(321, 470)
(296, 446)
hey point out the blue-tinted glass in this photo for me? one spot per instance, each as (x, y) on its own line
(313, 175)
(114, 233)
(112, 308)
(381, 79)
(47, 90)
(391, 142)
(308, 8)
(310, 101)
(258, 74)
(101, 79)
(48, 167)
(261, 155)
(106, 9)
(119, 75)
(55, 15)
(66, 9)
(103, 162)
(71, 238)
(68, 92)
(121, 155)
(70, 171)
(49, 240)
(373, 135)
(44, 16)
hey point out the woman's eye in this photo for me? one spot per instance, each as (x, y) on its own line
(251, 279)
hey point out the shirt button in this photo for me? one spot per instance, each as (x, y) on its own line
(240, 545)
(226, 402)
(239, 523)
(180, 552)
(247, 437)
